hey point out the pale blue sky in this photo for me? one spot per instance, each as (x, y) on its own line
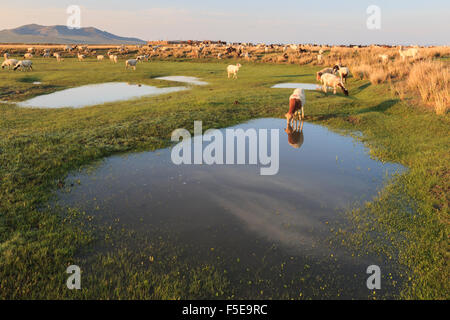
(326, 21)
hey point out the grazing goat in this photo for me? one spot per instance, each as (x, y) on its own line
(323, 71)
(342, 71)
(233, 70)
(9, 63)
(24, 65)
(131, 63)
(411, 52)
(297, 102)
(328, 79)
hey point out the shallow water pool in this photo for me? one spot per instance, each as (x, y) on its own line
(95, 94)
(270, 233)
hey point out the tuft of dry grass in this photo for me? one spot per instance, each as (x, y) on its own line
(431, 80)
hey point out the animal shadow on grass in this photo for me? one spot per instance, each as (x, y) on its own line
(29, 79)
(381, 107)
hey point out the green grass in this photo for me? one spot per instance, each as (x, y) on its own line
(39, 147)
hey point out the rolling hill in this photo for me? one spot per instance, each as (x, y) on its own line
(34, 33)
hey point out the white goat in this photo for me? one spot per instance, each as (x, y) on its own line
(131, 63)
(323, 71)
(100, 57)
(24, 65)
(6, 55)
(411, 52)
(330, 80)
(342, 71)
(233, 70)
(81, 57)
(9, 63)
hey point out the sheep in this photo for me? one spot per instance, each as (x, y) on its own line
(24, 65)
(81, 57)
(131, 63)
(100, 57)
(384, 57)
(342, 71)
(328, 79)
(9, 63)
(233, 70)
(323, 71)
(28, 56)
(411, 52)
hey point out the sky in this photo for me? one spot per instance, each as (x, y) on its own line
(406, 22)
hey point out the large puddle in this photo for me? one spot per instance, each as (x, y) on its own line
(95, 94)
(263, 222)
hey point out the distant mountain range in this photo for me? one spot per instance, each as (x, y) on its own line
(34, 33)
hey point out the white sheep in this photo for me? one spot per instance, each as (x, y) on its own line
(9, 63)
(131, 63)
(330, 80)
(28, 56)
(24, 65)
(100, 57)
(342, 71)
(323, 71)
(233, 70)
(411, 52)
(81, 57)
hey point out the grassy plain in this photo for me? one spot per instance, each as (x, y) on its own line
(39, 147)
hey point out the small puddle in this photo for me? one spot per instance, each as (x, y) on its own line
(184, 79)
(95, 94)
(292, 85)
(283, 219)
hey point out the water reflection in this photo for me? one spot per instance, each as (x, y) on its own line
(295, 135)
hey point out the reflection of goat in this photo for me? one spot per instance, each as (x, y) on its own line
(295, 136)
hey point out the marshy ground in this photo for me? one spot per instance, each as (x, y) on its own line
(405, 223)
